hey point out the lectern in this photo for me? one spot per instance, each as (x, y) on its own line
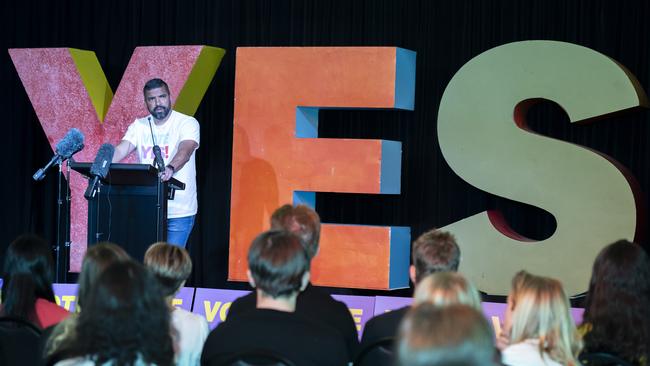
(130, 207)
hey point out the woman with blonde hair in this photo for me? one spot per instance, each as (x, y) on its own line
(172, 265)
(447, 288)
(541, 329)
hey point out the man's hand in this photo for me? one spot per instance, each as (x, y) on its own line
(166, 174)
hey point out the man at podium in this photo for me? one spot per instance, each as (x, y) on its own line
(167, 139)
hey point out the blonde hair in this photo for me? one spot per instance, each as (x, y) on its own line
(170, 264)
(541, 312)
(447, 288)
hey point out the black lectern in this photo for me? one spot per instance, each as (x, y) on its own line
(130, 207)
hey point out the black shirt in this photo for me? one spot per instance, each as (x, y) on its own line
(316, 305)
(382, 326)
(297, 338)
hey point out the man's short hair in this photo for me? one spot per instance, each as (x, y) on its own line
(170, 264)
(302, 221)
(277, 262)
(453, 335)
(435, 251)
(155, 84)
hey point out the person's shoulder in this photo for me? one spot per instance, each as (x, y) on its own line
(525, 353)
(77, 361)
(315, 300)
(182, 117)
(313, 294)
(243, 304)
(49, 313)
(141, 122)
(382, 326)
(388, 319)
(188, 317)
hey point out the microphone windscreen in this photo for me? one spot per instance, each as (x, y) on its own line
(71, 143)
(103, 159)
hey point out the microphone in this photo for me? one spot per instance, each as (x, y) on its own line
(99, 169)
(158, 160)
(69, 145)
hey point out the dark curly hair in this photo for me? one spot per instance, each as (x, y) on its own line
(27, 275)
(617, 307)
(125, 319)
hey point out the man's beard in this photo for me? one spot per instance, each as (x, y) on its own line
(160, 112)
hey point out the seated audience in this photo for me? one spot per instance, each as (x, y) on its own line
(97, 258)
(434, 251)
(617, 307)
(539, 324)
(452, 335)
(278, 270)
(172, 266)
(313, 303)
(27, 288)
(125, 321)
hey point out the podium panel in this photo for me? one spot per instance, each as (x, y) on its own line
(130, 207)
(128, 216)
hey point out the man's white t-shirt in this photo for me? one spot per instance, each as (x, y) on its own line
(177, 128)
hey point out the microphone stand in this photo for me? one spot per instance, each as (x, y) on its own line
(66, 237)
(62, 248)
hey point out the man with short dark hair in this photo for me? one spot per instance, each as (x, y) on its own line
(278, 269)
(178, 137)
(313, 302)
(434, 251)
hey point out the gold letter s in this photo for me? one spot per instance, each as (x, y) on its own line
(481, 129)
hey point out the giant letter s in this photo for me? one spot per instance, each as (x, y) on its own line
(481, 127)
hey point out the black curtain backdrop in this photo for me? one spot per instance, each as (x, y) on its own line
(445, 34)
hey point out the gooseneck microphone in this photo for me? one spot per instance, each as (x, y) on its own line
(69, 145)
(99, 169)
(158, 160)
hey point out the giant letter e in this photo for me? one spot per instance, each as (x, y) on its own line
(278, 159)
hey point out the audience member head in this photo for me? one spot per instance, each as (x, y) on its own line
(302, 221)
(455, 335)
(447, 288)
(434, 251)
(125, 319)
(538, 309)
(278, 264)
(617, 308)
(27, 276)
(170, 264)
(96, 259)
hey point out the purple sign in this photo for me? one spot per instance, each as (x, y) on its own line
(384, 304)
(183, 298)
(494, 311)
(65, 295)
(361, 308)
(213, 304)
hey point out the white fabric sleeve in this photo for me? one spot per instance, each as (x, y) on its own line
(191, 130)
(131, 134)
